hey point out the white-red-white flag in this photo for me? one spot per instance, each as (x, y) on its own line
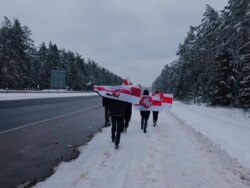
(127, 93)
(145, 103)
(167, 101)
(158, 102)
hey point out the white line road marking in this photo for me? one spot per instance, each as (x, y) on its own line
(45, 120)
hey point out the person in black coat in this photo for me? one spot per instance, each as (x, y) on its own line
(105, 104)
(127, 115)
(155, 115)
(116, 108)
(144, 115)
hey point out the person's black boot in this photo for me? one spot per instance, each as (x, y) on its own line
(154, 123)
(116, 146)
(113, 139)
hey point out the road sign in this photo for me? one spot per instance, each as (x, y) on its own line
(57, 79)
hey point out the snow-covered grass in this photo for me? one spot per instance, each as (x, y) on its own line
(191, 146)
(228, 128)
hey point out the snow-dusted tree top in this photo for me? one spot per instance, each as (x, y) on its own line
(214, 60)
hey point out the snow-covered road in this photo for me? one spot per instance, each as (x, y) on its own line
(172, 155)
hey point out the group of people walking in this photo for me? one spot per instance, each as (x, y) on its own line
(120, 113)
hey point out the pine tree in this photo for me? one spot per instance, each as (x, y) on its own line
(18, 56)
(241, 10)
(30, 59)
(222, 93)
(5, 46)
(43, 69)
(207, 47)
(14, 55)
(245, 88)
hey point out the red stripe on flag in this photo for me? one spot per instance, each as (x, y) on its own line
(156, 103)
(135, 91)
(168, 100)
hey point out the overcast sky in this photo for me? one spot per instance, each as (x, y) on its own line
(132, 38)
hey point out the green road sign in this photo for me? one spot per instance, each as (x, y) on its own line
(57, 79)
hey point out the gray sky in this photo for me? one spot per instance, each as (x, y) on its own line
(132, 38)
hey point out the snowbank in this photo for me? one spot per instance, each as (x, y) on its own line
(228, 128)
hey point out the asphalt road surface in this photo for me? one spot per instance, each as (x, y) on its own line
(37, 134)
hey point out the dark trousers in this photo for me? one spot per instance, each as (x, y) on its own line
(144, 119)
(127, 117)
(107, 114)
(155, 116)
(117, 125)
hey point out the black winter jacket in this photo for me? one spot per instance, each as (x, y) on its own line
(116, 107)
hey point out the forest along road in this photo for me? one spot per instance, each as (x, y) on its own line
(36, 134)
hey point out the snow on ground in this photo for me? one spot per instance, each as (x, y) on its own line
(18, 96)
(171, 155)
(228, 128)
